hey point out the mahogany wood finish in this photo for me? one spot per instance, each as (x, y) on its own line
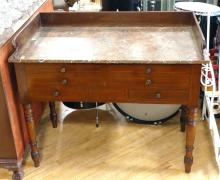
(106, 82)
(113, 83)
(32, 133)
(7, 149)
(13, 131)
(191, 114)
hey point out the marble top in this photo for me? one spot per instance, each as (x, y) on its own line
(68, 44)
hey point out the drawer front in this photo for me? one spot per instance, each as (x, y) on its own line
(78, 94)
(108, 82)
(128, 71)
(87, 75)
(58, 94)
(158, 96)
(164, 81)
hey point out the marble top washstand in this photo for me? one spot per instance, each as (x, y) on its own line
(125, 57)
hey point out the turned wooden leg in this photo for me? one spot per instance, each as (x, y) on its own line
(183, 119)
(32, 134)
(18, 174)
(191, 114)
(53, 114)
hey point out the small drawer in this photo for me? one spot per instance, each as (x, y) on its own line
(170, 77)
(168, 81)
(137, 70)
(167, 68)
(157, 96)
(58, 94)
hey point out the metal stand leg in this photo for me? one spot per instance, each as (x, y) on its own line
(208, 33)
(204, 106)
(97, 115)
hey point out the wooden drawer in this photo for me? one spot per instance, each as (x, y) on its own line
(78, 70)
(176, 77)
(114, 70)
(78, 94)
(164, 81)
(170, 77)
(49, 93)
(168, 81)
(141, 70)
(107, 82)
(158, 96)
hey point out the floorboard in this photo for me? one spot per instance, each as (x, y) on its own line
(116, 150)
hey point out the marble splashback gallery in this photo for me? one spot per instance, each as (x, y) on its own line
(13, 13)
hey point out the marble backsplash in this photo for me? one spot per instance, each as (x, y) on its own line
(13, 14)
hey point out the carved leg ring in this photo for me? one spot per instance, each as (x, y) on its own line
(191, 114)
(53, 114)
(32, 134)
(183, 118)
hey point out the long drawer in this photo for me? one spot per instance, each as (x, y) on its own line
(107, 82)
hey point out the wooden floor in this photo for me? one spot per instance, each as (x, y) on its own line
(116, 150)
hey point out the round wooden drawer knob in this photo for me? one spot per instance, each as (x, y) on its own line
(64, 82)
(63, 70)
(158, 96)
(148, 70)
(56, 93)
(148, 82)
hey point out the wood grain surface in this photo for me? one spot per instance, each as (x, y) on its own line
(121, 76)
(109, 82)
(13, 135)
(117, 149)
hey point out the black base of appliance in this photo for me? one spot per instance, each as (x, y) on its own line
(139, 121)
(82, 105)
